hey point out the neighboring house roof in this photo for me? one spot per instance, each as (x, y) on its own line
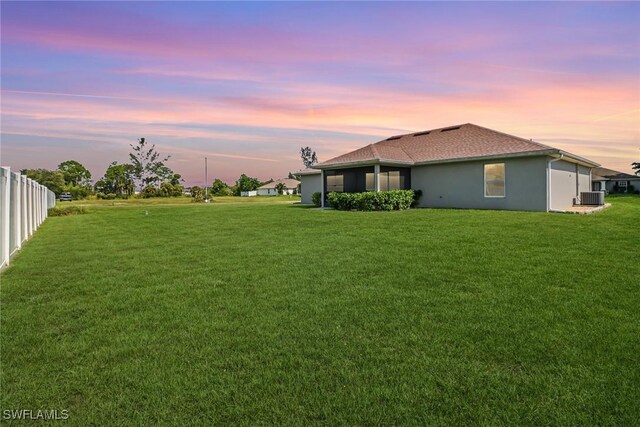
(604, 174)
(308, 171)
(289, 183)
(461, 142)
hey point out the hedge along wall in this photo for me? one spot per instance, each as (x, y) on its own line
(372, 201)
(23, 207)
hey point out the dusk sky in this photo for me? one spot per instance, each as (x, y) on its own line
(248, 84)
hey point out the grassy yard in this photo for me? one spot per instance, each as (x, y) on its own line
(182, 200)
(259, 313)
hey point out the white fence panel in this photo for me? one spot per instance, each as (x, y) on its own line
(23, 207)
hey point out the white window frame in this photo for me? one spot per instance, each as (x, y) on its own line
(622, 184)
(484, 180)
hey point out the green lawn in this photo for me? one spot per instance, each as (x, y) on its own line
(273, 313)
(182, 200)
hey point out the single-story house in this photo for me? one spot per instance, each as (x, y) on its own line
(310, 182)
(462, 166)
(291, 187)
(612, 181)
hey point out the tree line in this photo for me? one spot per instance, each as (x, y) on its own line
(147, 173)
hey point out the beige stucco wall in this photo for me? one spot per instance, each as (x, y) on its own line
(567, 181)
(309, 184)
(584, 178)
(461, 185)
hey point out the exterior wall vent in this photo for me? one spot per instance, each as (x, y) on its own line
(450, 129)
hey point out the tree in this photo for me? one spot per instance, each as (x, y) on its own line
(118, 180)
(197, 193)
(77, 179)
(292, 176)
(636, 167)
(75, 173)
(148, 167)
(308, 156)
(281, 188)
(246, 183)
(53, 180)
(220, 188)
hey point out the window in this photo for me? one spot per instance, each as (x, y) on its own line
(335, 183)
(370, 184)
(391, 181)
(494, 180)
(622, 184)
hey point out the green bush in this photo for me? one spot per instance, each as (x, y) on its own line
(372, 201)
(168, 189)
(197, 193)
(66, 210)
(416, 197)
(150, 191)
(316, 198)
(108, 196)
(630, 189)
(77, 192)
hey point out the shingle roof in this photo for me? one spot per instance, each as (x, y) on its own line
(599, 174)
(289, 183)
(465, 141)
(308, 171)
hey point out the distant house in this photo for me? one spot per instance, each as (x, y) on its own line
(613, 181)
(462, 166)
(290, 187)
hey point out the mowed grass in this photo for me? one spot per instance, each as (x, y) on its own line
(182, 200)
(257, 314)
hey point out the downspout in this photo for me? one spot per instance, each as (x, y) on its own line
(549, 180)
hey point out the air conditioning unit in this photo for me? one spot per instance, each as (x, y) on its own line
(593, 198)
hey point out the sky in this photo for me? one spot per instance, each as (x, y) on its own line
(246, 84)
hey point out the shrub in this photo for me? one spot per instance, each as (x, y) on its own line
(630, 189)
(66, 210)
(108, 196)
(197, 193)
(149, 191)
(77, 192)
(316, 198)
(170, 190)
(416, 197)
(372, 201)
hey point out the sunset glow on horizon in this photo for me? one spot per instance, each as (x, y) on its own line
(248, 84)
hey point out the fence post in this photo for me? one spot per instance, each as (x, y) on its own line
(5, 198)
(15, 214)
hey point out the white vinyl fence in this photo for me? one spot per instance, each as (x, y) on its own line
(23, 207)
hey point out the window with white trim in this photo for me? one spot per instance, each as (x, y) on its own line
(494, 180)
(622, 184)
